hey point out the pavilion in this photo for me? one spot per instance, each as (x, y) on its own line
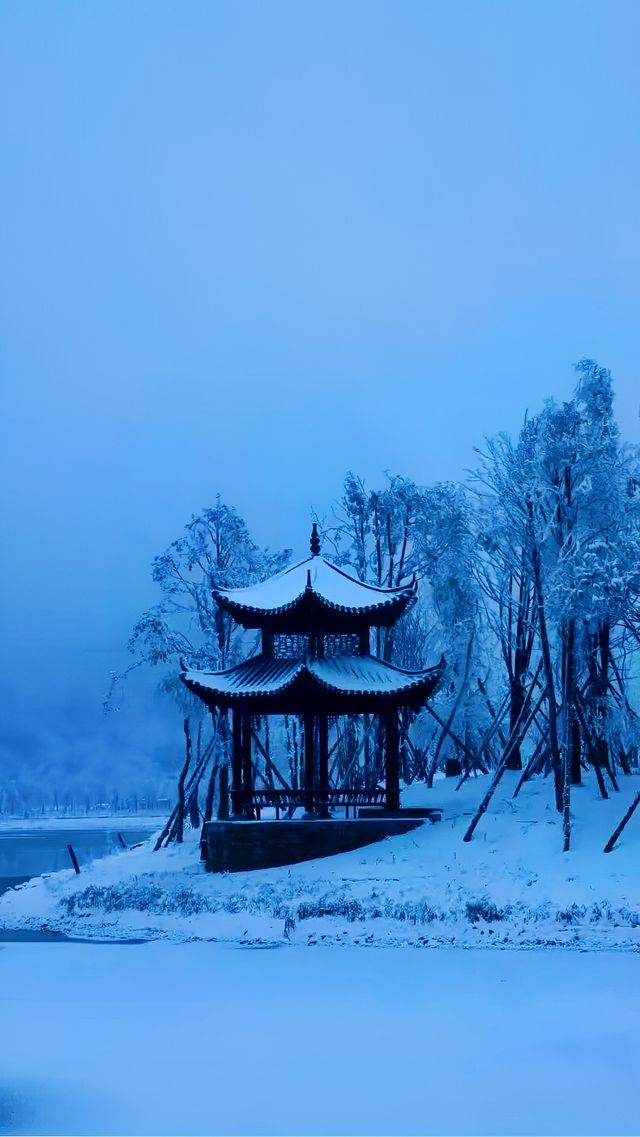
(315, 662)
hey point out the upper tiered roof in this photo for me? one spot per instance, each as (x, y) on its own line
(315, 592)
(313, 601)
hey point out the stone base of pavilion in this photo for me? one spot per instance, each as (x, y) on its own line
(240, 846)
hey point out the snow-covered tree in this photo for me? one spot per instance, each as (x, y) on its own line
(215, 551)
(559, 531)
(390, 535)
(445, 554)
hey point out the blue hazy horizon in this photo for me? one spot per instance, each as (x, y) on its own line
(246, 247)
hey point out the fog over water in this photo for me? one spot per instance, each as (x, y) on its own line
(244, 248)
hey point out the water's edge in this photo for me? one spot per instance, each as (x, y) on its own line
(26, 854)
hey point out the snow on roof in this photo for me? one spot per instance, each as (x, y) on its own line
(332, 585)
(364, 674)
(257, 676)
(344, 675)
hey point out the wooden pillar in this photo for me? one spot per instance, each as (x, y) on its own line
(223, 798)
(309, 762)
(392, 760)
(247, 769)
(323, 765)
(236, 764)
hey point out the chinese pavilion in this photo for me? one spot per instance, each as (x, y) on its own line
(315, 662)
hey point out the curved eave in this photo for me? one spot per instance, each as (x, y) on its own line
(315, 587)
(299, 687)
(408, 682)
(310, 606)
(236, 683)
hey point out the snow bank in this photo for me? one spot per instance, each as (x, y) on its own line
(510, 886)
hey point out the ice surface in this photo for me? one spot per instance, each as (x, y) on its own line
(336, 1031)
(207, 1039)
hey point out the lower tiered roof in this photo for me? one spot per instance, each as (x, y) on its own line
(346, 684)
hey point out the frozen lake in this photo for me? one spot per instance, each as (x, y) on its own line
(203, 1038)
(29, 852)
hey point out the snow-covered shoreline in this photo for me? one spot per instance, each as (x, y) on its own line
(14, 825)
(510, 887)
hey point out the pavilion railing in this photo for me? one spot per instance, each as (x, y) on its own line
(315, 802)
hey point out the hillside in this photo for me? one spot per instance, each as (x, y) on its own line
(511, 886)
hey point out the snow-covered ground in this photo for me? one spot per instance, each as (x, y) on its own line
(228, 1038)
(510, 886)
(215, 1039)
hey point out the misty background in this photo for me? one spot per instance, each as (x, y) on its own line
(246, 247)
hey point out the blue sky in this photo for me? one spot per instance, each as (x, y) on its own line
(246, 246)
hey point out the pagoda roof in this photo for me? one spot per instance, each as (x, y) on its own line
(315, 589)
(340, 683)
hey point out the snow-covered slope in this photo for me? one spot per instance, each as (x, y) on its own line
(511, 885)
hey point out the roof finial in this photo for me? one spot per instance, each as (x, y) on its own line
(315, 540)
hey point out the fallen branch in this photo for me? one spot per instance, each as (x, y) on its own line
(169, 830)
(488, 737)
(618, 830)
(354, 759)
(454, 710)
(517, 735)
(269, 762)
(456, 738)
(593, 754)
(537, 758)
(418, 758)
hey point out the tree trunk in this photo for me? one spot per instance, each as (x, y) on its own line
(449, 723)
(181, 781)
(592, 751)
(518, 735)
(517, 699)
(597, 694)
(223, 796)
(533, 765)
(211, 789)
(554, 745)
(568, 663)
(194, 810)
(576, 753)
